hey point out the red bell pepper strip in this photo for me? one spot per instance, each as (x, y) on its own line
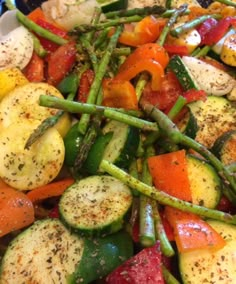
(194, 95)
(86, 81)
(218, 31)
(119, 94)
(205, 27)
(144, 267)
(60, 62)
(34, 71)
(180, 50)
(145, 31)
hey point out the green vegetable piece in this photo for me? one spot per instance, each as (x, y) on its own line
(72, 142)
(101, 256)
(95, 154)
(112, 5)
(69, 84)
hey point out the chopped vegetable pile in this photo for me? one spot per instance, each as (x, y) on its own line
(118, 142)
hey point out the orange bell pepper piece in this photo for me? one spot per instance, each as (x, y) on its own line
(119, 93)
(191, 232)
(49, 190)
(149, 57)
(16, 210)
(145, 31)
(170, 174)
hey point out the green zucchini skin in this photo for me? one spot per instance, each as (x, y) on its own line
(46, 252)
(188, 124)
(123, 146)
(225, 147)
(215, 116)
(95, 205)
(205, 183)
(101, 256)
(113, 5)
(206, 266)
(182, 73)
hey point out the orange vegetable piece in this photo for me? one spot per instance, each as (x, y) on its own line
(169, 173)
(49, 190)
(36, 14)
(119, 94)
(191, 232)
(16, 210)
(145, 31)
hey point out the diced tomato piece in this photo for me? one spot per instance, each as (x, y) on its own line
(205, 27)
(34, 71)
(144, 267)
(60, 63)
(176, 49)
(169, 91)
(86, 81)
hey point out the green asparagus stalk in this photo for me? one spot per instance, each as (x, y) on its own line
(149, 10)
(170, 130)
(168, 277)
(146, 221)
(90, 51)
(43, 127)
(125, 116)
(202, 51)
(95, 20)
(177, 107)
(226, 2)
(192, 24)
(178, 12)
(100, 72)
(38, 48)
(32, 26)
(103, 25)
(164, 198)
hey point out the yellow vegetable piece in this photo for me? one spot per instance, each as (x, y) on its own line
(23, 103)
(26, 169)
(228, 52)
(9, 79)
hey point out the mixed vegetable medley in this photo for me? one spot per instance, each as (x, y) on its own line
(118, 142)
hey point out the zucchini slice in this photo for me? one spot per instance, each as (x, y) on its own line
(207, 266)
(46, 252)
(183, 73)
(214, 116)
(205, 183)
(123, 145)
(95, 205)
(225, 147)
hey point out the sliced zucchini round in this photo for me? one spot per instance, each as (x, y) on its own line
(207, 266)
(214, 116)
(123, 145)
(205, 184)
(225, 147)
(26, 169)
(95, 205)
(46, 252)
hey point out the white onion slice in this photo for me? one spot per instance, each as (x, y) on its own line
(16, 42)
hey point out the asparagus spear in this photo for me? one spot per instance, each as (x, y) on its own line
(121, 115)
(168, 277)
(191, 24)
(32, 26)
(101, 71)
(226, 2)
(164, 198)
(148, 10)
(170, 130)
(103, 25)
